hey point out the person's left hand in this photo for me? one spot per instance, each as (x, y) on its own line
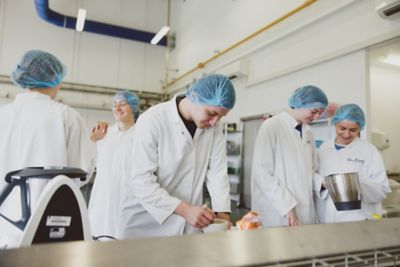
(292, 218)
(99, 131)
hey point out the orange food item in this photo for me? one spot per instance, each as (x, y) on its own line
(249, 221)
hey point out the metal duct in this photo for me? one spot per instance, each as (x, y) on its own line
(43, 10)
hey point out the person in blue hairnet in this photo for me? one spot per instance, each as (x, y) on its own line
(284, 162)
(346, 152)
(178, 146)
(113, 145)
(38, 131)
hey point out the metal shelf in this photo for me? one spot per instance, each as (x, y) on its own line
(380, 257)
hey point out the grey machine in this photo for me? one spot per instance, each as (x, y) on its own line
(52, 208)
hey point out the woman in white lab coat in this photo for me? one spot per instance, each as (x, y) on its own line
(348, 153)
(113, 146)
(38, 131)
(284, 162)
(179, 146)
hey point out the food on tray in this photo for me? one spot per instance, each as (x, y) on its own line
(249, 221)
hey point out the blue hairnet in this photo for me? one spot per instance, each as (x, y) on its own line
(308, 96)
(350, 112)
(131, 98)
(38, 69)
(213, 90)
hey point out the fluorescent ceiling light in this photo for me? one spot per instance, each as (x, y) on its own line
(164, 30)
(80, 21)
(391, 59)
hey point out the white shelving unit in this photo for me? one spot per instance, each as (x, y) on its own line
(234, 139)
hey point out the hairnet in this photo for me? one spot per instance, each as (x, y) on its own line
(308, 96)
(131, 98)
(38, 69)
(350, 112)
(213, 90)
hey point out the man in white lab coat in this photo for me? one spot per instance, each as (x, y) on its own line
(113, 145)
(348, 153)
(37, 131)
(179, 146)
(284, 162)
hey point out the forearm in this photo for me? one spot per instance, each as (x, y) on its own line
(196, 216)
(182, 209)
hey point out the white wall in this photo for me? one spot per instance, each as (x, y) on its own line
(385, 95)
(90, 58)
(206, 26)
(320, 45)
(323, 31)
(343, 79)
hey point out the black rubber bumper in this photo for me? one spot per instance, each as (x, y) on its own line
(349, 205)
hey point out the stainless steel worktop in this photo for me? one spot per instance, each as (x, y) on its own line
(235, 248)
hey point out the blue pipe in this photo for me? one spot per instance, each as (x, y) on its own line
(43, 10)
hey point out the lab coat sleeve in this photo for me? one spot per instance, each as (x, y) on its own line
(322, 194)
(263, 176)
(81, 152)
(374, 187)
(143, 181)
(217, 177)
(317, 178)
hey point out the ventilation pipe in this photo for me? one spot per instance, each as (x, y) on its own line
(43, 10)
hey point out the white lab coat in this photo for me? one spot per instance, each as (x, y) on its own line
(362, 157)
(169, 166)
(105, 200)
(37, 131)
(283, 172)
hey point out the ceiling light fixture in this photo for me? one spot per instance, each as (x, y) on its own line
(164, 30)
(80, 21)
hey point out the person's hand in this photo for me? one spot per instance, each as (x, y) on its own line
(225, 216)
(292, 218)
(99, 131)
(196, 216)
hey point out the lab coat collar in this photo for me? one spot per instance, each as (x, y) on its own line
(31, 95)
(331, 143)
(291, 124)
(176, 118)
(289, 119)
(174, 110)
(354, 143)
(114, 129)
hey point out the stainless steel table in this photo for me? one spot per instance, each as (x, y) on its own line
(264, 247)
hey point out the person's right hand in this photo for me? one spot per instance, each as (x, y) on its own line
(196, 216)
(292, 218)
(99, 131)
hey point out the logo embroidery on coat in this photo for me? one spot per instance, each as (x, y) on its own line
(355, 160)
